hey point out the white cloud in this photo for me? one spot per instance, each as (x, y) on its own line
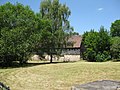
(100, 9)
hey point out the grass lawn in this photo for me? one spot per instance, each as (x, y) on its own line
(60, 76)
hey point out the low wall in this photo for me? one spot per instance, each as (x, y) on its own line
(35, 57)
(55, 58)
(64, 58)
(72, 57)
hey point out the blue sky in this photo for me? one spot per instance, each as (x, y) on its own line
(85, 14)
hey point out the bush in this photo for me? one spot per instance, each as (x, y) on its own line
(102, 57)
(96, 45)
(90, 55)
(115, 47)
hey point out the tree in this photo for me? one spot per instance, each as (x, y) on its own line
(103, 46)
(57, 14)
(115, 28)
(19, 32)
(96, 45)
(104, 40)
(89, 43)
(115, 48)
(115, 39)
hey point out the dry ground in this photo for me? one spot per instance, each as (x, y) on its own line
(60, 76)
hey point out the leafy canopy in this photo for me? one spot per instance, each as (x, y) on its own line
(56, 35)
(96, 45)
(19, 32)
(115, 28)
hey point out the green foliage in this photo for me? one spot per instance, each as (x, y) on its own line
(115, 48)
(90, 45)
(96, 45)
(101, 57)
(115, 28)
(104, 40)
(75, 33)
(19, 32)
(115, 40)
(89, 54)
(23, 32)
(59, 28)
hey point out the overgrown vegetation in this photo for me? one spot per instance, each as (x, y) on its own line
(102, 46)
(19, 32)
(115, 40)
(115, 29)
(96, 45)
(23, 32)
(55, 36)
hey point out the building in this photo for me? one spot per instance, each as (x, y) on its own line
(70, 53)
(76, 40)
(72, 50)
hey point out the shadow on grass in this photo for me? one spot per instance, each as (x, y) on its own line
(29, 64)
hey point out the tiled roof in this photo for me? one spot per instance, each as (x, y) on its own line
(76, 39)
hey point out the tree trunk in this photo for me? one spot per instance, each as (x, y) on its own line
(51, 58)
